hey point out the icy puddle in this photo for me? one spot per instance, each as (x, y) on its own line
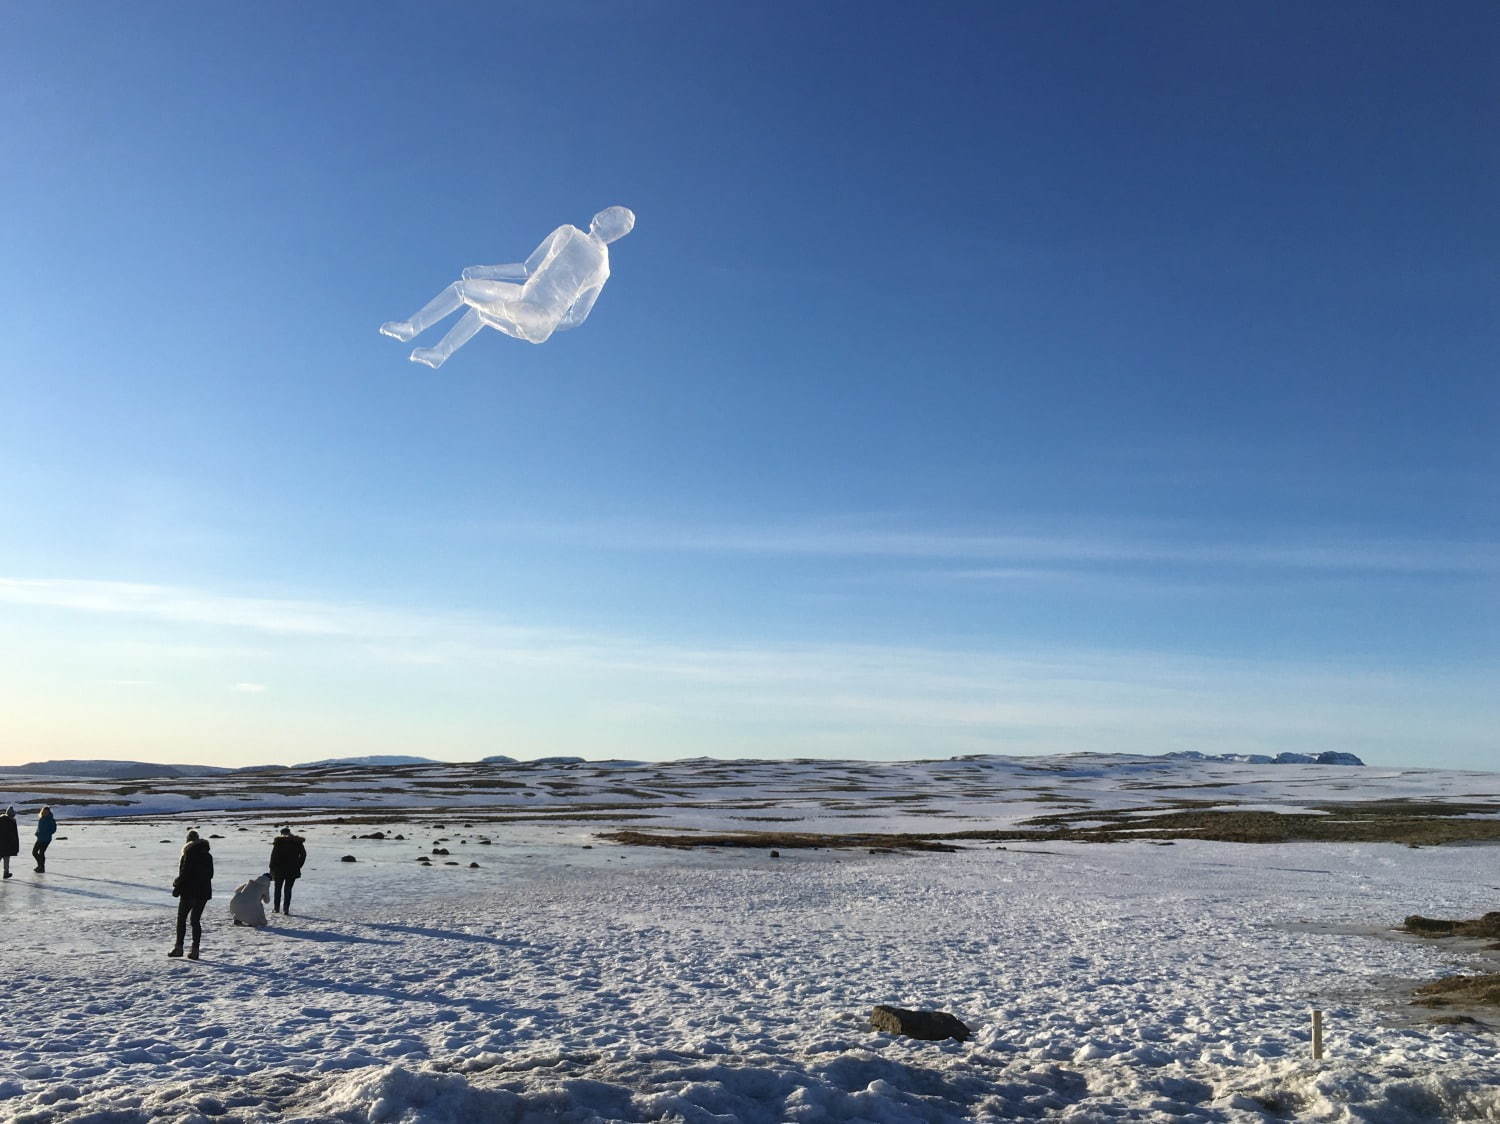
(569, 979)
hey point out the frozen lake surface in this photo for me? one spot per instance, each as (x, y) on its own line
(567, 978)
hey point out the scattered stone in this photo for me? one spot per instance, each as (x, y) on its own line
(882, 851)
(1487, 926)
(424, 860)
(399, 837)
(450, 864)
(216, 837)
(776, 854)
(931, 1026)
(588, 846)
(166, 841)
(484, 843)
(440, 850)
(347, 859)
(372, 835)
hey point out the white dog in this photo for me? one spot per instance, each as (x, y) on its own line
(247, 907)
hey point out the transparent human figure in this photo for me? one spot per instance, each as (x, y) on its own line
(552, 290)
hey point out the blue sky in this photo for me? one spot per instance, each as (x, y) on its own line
(978, 378)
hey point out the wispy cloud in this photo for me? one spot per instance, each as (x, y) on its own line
(855, 539)
(867, 699)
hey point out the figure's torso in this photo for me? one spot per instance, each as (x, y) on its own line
(574, 264)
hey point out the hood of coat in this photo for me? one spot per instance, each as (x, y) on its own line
(194, 846)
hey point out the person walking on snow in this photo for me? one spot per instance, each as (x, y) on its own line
(10, 839)
(287, 856)
(46, 828)
(192, 889)
(246, 907)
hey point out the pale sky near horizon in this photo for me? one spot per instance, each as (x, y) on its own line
(979, 378)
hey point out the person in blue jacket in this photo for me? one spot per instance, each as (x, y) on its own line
(46, 828)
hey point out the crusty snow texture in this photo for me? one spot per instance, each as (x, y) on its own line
(1108, 982)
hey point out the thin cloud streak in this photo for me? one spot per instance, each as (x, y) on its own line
(1365, 555)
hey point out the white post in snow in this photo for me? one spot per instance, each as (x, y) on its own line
(1317, 1035)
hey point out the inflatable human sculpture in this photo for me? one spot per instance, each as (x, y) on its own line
(552, 290)
(248, 907)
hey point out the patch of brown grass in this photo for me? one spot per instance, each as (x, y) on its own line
(1460, 991)
(789, 840)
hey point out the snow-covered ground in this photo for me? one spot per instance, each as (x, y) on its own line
(566, 978)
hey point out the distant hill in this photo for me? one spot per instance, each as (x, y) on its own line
(1328, 757)
(374, 760)
(110, 770)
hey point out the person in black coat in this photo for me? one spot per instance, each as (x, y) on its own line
(192, 889)
(287, 856)
(10, 839)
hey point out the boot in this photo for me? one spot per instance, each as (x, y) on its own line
(193, 953)
(176, 950)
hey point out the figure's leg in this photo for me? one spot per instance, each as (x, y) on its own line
(286, 899)
(276, 902)
(433, 311)
(184, 907)
(457, 336)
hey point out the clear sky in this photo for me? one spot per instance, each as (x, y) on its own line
(993, 377)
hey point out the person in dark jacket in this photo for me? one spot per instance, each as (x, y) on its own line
(192, 889)
(10, 839)
(46, 828)
(287, 856)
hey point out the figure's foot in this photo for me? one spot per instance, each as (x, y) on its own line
(9, 875)
(429, 355)
(193, 953)
(398, 330)
(176, 951)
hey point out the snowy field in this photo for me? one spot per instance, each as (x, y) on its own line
(568, 978)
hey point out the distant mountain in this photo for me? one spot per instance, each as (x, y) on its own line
(376, 759)
(497, 759)
(1328, 757)
(110, 770)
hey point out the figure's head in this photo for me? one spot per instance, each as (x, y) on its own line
(612, 223)
(286, 831)
(192, 837)
(46, 811)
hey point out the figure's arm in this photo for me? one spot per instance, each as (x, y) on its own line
(511, 271)
(514, 271)
(579, 310)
